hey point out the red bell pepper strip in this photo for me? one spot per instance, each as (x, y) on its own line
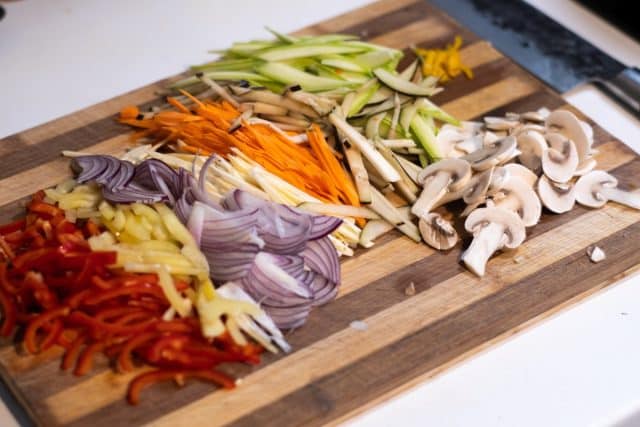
(152, 377)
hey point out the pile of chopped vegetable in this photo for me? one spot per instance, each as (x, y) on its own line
(61, 291)
(258, 172)
(444, 63)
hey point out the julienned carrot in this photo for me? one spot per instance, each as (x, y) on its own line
(329, 162)
(204, 129)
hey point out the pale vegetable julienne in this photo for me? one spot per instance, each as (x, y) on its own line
(151, 239)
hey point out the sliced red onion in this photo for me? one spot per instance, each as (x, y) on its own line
(324, 290)
(87, 168)
(183, 208)
(271, 285)
(320, 256)
(230, 265)
(291, 264)
(321, 225)
(288, 317)
(285, 230)
(120, 179)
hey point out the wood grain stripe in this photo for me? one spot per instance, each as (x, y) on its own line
(429, 26)
(408, 316)
(491, 97)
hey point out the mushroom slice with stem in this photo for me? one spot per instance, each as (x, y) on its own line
(556, 197)
(474, 191)
(566, 123)
(560, 160)
(519, 197)
(493, 228)
(524, 173)
(437, 179)
(531, 145)
(598, 187)
(492, 154)
(437, 232)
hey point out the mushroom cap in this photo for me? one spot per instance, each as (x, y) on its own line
(524, 173)
(458, 169)
(437, 232)
(514, 228)
(589, 186)
(531, 144)
(566, 123)
(560, 160)
(492, 154)
(558, 198)
(528, 206)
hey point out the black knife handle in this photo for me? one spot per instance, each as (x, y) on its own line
(625, 88)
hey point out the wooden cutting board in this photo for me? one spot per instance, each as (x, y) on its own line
(336, 371)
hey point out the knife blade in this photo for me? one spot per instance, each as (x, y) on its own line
(545, 48)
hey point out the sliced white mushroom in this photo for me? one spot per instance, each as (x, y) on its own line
(560, 160)
(437, 179)
(530, 127)
(556, 197)
(500, 123)
(596, 254)
(586, 167)
(519, 197)
(598, 187)
(588, 131)
(471, 127)
(437, 232)
(492, 154)
(490, 137)
(531, 145)
(474, 191)
(499, 177)
(471, 144)
(533, 116)
(524, 173)
(566, 123)
(493, 229)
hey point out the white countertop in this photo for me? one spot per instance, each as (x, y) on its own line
(577, 368)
